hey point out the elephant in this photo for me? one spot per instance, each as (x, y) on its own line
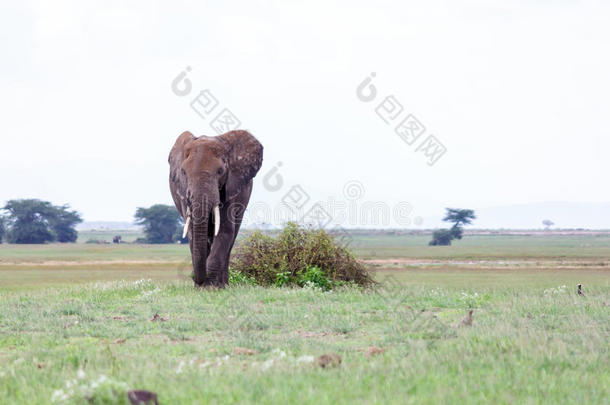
(210, 181)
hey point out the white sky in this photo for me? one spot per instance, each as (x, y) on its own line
(517, 91)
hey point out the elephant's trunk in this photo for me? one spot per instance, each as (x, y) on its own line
(199, 251)
(200, 213)
(202, 235)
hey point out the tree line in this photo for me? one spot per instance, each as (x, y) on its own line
(36, 221)
(31, 221)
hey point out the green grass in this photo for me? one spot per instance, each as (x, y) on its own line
(532, 341)
(106, 235)
(525, 345)
(483, 246)
(77, 252)
(375, 246)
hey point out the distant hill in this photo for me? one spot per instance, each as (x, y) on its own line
(530, 216)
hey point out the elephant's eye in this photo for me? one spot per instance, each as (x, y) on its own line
(219, 171)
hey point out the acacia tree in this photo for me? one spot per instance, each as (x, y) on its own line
(2, 227)
(547, 224)
(28, 221)
(36, 221)
(161, 223)
(441, 237)
(459, 217)
(63, 224)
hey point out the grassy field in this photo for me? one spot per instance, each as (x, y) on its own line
(484, 247)
(107, 235)
(72, 332)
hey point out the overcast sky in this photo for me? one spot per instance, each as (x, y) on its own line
(516, 91)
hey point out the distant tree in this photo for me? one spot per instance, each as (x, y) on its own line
(63, 224)
(160, 223)
(28, 221)
(2, 227)
(36, 221)
(459, 218)
(441, 237)
(547, 224)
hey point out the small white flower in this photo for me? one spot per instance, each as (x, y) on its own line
(80, 374)
(281, 354)
(180, 366)
(305, 359)
(58, 395)
(267, 364)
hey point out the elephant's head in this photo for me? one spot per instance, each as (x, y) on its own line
(207, 173)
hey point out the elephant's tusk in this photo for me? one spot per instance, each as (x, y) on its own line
(216, 220)
(187, 223)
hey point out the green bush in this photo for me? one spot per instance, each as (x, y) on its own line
(97, 241)
(314, 276)
(283, 279)
(297, 256)
(441, 237)
(237, 278)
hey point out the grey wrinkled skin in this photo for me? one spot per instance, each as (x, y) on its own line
(206, 172)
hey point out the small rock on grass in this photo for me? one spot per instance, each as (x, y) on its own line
(373, 351)
(120, 341)
(137, 397)
(156, 318)
(467, 321)
(243, 350)
(328, 360)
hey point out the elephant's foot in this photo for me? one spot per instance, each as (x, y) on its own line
(207, 287)
(214, 279)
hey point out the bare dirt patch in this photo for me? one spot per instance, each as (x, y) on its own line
(373, 351)
(310, 335)
(243, 350)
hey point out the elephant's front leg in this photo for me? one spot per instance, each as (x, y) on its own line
(217, 263)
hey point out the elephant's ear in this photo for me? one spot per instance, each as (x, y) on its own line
(177, 179)
(245, 157)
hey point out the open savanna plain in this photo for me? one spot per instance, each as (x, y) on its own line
(84, 323)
